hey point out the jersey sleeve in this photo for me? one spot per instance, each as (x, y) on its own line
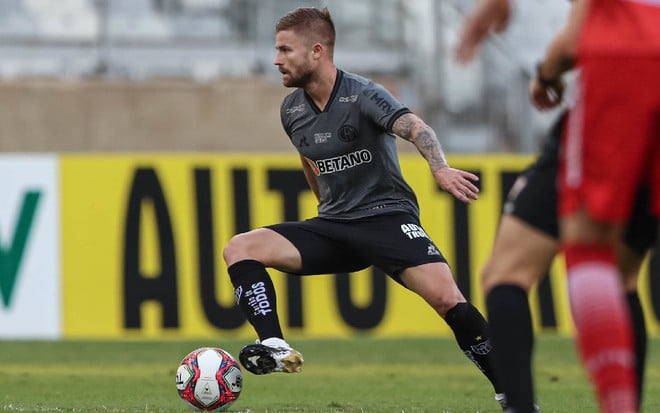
(379, 105)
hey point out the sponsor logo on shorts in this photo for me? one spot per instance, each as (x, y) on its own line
(413, 231)
(340, 163)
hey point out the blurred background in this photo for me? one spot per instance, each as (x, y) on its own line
(138, 136)
(88, 75)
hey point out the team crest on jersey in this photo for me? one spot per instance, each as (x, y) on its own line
(347, 133)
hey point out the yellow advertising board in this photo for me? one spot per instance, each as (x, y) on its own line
(142, 240)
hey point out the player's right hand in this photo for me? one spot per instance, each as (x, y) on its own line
(460, 184)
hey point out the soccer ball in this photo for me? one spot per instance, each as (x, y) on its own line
(209, 378)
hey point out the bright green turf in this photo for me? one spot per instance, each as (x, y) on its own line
(340, 376)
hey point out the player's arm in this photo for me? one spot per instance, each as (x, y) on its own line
(546, 88)
(487, 16)
(458, 183)
(309, 176)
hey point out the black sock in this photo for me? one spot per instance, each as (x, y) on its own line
(639, 329)
(512, 336)
(469, 328)
(255, 295)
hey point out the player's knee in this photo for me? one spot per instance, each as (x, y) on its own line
(237, 249)
(442, 302)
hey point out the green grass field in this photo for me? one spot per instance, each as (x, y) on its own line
(360, 375)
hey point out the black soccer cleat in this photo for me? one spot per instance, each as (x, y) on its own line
(262, 359)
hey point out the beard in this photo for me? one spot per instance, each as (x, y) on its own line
(303, 77)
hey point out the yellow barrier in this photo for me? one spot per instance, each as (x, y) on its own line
(143, 238)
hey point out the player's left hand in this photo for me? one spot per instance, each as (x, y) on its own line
(460, 184)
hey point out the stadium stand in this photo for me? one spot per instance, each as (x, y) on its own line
(207, 42)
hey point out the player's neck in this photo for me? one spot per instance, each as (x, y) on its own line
(320, 89)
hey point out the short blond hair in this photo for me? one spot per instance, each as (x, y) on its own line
(316, 24)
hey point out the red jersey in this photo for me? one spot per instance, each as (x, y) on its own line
(628, 27)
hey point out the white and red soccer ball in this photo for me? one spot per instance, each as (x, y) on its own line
(209, 378)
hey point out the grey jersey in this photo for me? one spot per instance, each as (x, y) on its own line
(350, 147)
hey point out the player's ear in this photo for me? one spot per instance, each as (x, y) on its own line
(317, 50)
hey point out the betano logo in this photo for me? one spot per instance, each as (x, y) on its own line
(340, 163)
(12, 256)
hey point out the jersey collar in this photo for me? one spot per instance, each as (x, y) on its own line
(335, 89)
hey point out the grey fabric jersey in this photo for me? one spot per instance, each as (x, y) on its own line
(350, 148)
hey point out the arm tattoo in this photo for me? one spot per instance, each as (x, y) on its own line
(411, 128)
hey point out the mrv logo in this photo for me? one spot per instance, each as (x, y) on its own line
(11, 255)
(340, 163)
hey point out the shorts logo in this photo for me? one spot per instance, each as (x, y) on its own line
(339, 163)
(432, 250)
(348, 133)
(413, 231)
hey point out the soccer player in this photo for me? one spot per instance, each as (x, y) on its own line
(612, 150)
(524, 247)
(344, 127)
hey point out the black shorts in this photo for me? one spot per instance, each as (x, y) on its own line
(533, 199)
(391, 242)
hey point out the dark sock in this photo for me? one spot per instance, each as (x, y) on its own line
(255, 295)
(512, 336)
(639, 329)
(469, 328)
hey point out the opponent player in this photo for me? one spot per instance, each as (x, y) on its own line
(612, 150)
(524, 247)
(344, 127)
